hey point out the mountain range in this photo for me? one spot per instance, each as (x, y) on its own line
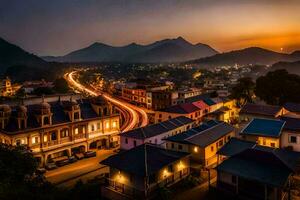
(168, 50)
(11, 54)
(251, 55)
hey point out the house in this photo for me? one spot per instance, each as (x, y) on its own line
(250, 111)
(266, 132)
(139, 172)
(187, 109)
(291, 133)
(293, 108)
(155, 133)
(202, 142)
(256, 172)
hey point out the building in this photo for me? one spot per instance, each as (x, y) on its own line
(266, 132)
(292, 108)
(155, 133)
(202, 142)
(187, 110)
(56, 130)
(290, 138)
(162, 99)
(139, 172)
(142, 94)
(256, 172)
(7, 88)
(250, 111)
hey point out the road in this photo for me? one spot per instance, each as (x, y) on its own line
(83, 170)
(137, 116)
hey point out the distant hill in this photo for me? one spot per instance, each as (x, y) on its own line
(291, 67)
(168, 50)
(11, 55)
(252, 55)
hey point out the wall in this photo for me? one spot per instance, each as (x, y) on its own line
(285, 140)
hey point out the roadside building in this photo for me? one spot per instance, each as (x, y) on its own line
(55, 130)
(139, 172)
(256, 172)
(266, 132)
(202, 142)
(187, 109)
(155, 133)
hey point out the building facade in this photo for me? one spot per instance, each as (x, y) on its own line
(55, 129)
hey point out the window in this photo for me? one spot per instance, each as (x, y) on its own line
(126, 140)
(46, 121)
(18, 142)
(264, 141)
(53, 136)
(76, 131)
(272, 144)
(35, 140)
(172, 145)
(180, 147)
(114, 124)
(45, 138)
(64, 133)
(107, 125)
(92, 127)
(160, 115)
(293, 139)
(76, 116)
(220, 143)
(134, 143)
(98, 125)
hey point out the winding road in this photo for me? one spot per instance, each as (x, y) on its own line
(134, 116)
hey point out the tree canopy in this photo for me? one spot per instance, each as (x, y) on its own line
(278, 87)
(243, 91)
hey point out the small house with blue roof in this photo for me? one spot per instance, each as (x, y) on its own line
(266, 132)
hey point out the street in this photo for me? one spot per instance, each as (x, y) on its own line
(84, 169)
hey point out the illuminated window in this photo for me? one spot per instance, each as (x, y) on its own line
(45, 138)
(114, 124)
(35, 140)
(76, 131)
(107, 125)
(195, 149)
(272, 144)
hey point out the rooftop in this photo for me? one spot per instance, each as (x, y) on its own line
(292, 107)
(257, 165)
(157, 129)
(264, 127)
(204, 134)
(143, 160)
(291, 124)
(185, 108)
(265, 110)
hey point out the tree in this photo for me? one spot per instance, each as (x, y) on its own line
(243, 91)
(61, 85)
(278, 87)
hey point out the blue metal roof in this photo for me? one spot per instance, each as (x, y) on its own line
(264, 127)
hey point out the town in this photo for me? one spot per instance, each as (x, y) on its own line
(154, 100)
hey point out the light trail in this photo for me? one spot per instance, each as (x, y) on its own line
(134, 111)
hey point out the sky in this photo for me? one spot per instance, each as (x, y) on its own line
(57, 27)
